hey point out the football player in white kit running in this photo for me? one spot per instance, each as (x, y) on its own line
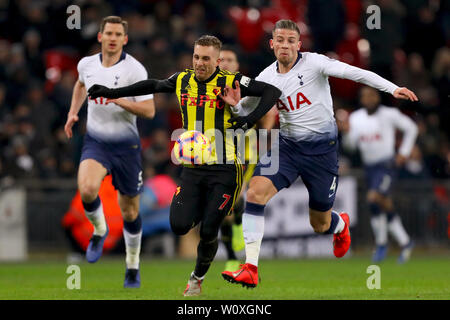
(372, 130)
(307, 144)
(111, 144)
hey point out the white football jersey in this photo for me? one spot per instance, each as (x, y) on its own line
(374, 134)
(109, 122)
(306, 106)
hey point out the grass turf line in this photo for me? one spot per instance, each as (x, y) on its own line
(296, 279)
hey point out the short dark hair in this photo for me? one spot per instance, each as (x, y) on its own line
(227, 47)
(286, 24)
(114, 19)
(209, 41)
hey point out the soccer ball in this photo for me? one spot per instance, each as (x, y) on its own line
(192, 147)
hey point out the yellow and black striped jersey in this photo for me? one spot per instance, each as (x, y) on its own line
(203, 110)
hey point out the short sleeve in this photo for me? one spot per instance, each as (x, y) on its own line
(141, 74)
(80, 68)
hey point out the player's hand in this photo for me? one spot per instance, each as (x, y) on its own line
(405, 94)
(342, 120)
(241, 122)
(230, 95)
(99, 91)
(400, 160)
(71, 119)
(122, 102)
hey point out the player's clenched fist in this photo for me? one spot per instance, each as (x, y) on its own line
(99, 91)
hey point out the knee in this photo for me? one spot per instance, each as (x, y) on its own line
(179, 228)
(373, 197)
(88, 191)
(255, 195)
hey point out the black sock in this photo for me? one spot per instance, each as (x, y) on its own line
(206, 251)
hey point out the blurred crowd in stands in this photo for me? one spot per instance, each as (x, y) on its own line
(39, 55)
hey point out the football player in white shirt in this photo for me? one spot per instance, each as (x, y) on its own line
(111, 144)
(307, 144)
(372, 129)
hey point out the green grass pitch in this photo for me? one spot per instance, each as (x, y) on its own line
(423, 278)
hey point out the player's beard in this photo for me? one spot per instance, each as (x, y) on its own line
(285, 60)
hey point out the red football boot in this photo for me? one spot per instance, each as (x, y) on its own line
(247, 275)
(342, 240)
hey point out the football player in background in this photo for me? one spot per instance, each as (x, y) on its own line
(111, 144)
(372, 130)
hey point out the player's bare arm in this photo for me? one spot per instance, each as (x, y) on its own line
(78, 96)
(145, 109)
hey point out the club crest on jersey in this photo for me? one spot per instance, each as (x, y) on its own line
(217, 90)
(117, 79)
(301, 80)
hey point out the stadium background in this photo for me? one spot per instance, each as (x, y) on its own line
(39, 54)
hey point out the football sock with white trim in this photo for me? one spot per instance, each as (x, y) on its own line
(94, 213)
(253, 228)
(379, 228)
(132, 233)
(337, 224)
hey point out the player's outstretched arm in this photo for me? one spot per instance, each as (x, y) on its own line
(137, 89)
(335, 68)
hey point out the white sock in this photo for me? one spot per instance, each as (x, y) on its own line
(253, 229)
(97, 218)
(132, 248)
(397, 230)
(379, 227)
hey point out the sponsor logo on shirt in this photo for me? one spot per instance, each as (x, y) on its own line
(299, 100)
